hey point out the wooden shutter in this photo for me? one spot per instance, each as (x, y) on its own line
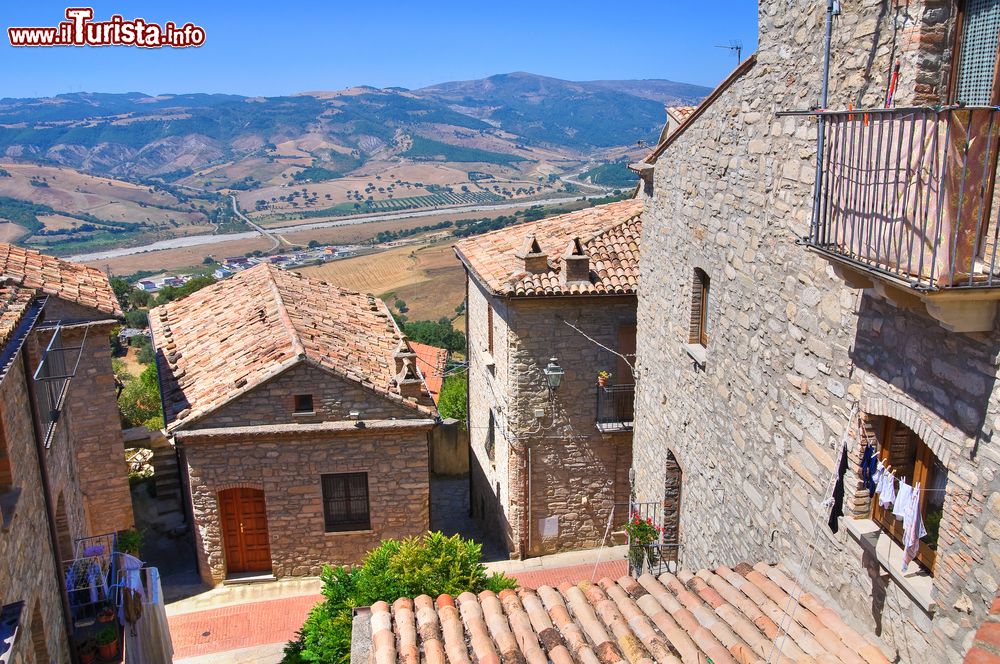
(489, 328)
(698, 325)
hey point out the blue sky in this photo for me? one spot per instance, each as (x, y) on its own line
(287, 46)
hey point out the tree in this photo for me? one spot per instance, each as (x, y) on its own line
(313, 244)
(138, 318)
(430, 565)
(139, 401)
(121, 289)
(438, 333)
(453, 399)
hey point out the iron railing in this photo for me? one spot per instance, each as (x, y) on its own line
(615, 406)
(56, 368)
(908, 192)
(653, 557)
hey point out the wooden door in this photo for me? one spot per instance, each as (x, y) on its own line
(244, 530)
(624, 400)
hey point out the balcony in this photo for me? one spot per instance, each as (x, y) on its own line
(904, 206)
(615, 407)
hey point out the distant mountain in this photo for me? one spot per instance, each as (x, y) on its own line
(138, 135)
(568, 113)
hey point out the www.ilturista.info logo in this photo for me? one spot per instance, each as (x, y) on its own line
(81, 30)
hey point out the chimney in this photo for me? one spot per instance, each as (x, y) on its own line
(407, 379)
(535, 260)
(576, 264)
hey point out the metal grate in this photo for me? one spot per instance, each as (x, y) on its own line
(978, 52)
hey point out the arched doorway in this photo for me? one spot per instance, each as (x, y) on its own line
(38, 644)
(243, 514)
(911, 462)
(63, 536)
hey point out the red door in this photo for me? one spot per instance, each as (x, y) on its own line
(244, 530)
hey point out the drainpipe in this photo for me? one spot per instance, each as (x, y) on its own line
(468, 394)
(50, 513)
(832, 9)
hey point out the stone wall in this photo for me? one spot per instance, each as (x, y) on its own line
(91, 420)
(559, 477)
(288, 469)
(757, 430)
(27, 564)
(333, 399)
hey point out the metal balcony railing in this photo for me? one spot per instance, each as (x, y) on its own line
(615, 407)
(907, 193)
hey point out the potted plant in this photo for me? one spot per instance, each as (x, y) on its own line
(107, 642)
(603, 377)
(88, 651)
(641, 534)
(130, 541)
(106, 614)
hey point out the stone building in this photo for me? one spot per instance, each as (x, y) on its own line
(549, 463)
(806, 303)
(301, 418)
(62, 463)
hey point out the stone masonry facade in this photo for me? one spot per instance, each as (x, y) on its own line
(288, 468)
(756, 431)
(237, 446)
(550, 483)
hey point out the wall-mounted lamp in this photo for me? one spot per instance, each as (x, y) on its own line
(554, 373)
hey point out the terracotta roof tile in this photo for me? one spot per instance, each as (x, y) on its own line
(230, 337)
(431, 362)
(14, 303)
(607, 234)
(681, 113)
(86, 286)
(718, 615)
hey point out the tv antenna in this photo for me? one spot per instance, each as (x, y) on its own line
(736, 47)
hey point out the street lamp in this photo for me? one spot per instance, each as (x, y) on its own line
(554, 373)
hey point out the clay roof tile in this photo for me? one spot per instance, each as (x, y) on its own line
(683, 618)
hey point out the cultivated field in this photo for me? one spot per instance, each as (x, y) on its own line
(427, 277)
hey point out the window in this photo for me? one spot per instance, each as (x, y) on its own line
(698, 331)
(491, 437)
(345, 502)
(975, 70)
(489, 328)
(304, 403)
(913, 461)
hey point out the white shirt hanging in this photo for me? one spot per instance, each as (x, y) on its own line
(902, 500)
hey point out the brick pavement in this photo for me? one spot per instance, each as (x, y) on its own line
(259, 623)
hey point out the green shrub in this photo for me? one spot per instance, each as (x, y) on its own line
(453, 400)
(139, 401)
(130, 541)
(430, 565)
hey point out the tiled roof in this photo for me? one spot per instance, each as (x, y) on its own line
(230, 337)
(608, 235)
(725, 616)
(431, 361)
(14, 302)
(986, 644)
(86, 286)
(680, 113)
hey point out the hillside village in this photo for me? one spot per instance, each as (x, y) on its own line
(745, 414)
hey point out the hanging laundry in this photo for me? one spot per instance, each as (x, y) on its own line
(913, 528)
(836, 500)
(868, 467)
(888, 493)
(877, 475)
(902, 500)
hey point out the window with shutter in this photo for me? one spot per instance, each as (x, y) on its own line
(489, 328)
(345, 502)
(698, 326)
(491, 438)
(975, 75)
(912, 461)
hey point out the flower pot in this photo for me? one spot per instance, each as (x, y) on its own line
(108, 650)
(602, 381)
(105, 616)
(88, 657)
